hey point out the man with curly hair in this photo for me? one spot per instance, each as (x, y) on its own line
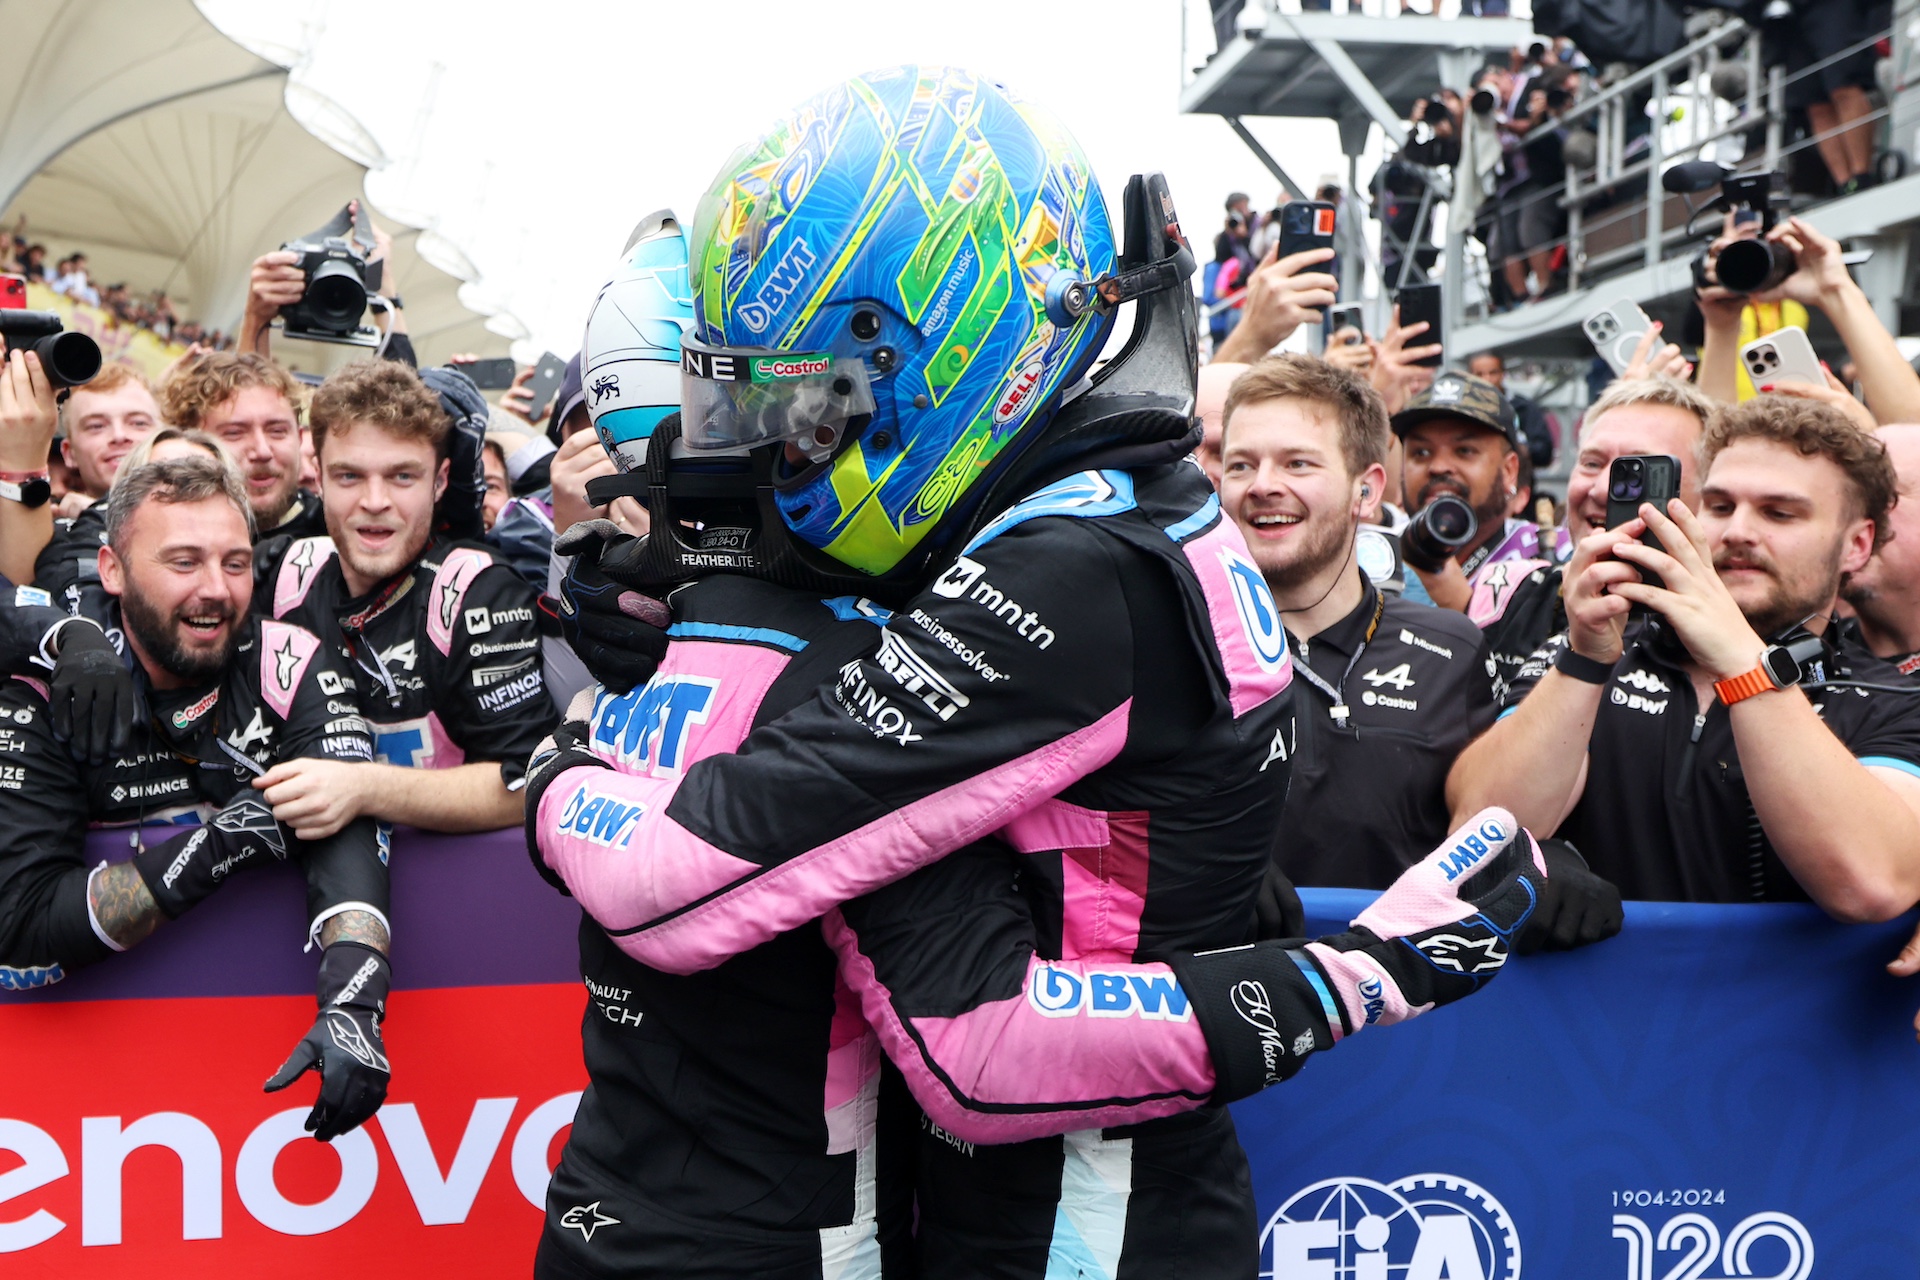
(440, 635)
(1732, 748)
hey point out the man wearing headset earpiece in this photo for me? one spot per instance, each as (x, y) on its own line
(1388, 691)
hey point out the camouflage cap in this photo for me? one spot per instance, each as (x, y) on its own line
(1461, 395)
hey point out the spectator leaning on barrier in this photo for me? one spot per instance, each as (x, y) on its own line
(1681, 759)
(1386, 692)
(1520, 603)
(223, 698)
(442, 637)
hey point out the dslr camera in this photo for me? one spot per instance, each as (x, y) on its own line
(1436, 532)
(1745, 266)
(334, 259)
(69, 359)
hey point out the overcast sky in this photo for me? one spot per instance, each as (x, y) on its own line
(535, 136)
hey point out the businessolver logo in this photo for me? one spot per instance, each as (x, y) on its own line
(1431, 1226)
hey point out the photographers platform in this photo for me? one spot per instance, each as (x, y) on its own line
(1622, 234)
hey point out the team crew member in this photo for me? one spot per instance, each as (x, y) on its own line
(1520, 603)
(103, 421)
(441, 636)
(224, 697)
(1459, 436)
(1103, 640)
(1386, 692)
(1685, 763)
(246, 402)
(1884, 594)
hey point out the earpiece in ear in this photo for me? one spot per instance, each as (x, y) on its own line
(1365, 491)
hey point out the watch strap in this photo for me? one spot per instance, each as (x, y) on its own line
(1758, 680)
(1582, 668)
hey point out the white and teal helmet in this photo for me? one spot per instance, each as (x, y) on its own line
(630, 362)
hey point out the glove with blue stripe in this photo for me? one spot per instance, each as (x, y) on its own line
(1438, 934)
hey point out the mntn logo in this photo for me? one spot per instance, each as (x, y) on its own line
(1058, 991)
(1425, 1227)
(599, 819)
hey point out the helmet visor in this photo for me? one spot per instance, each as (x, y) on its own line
(737, 397)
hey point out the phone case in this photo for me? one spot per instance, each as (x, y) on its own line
(1783, 355)
(1615, 331)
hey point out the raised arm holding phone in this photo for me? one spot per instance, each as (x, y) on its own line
(1656, 746)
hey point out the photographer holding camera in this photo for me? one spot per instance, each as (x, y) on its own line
(1679, 756)
(1801, 265)
(1463, 443)
(325, 281)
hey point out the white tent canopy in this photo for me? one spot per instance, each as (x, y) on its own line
(185, 195)
(69, 67)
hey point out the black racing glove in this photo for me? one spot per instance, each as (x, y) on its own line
(181, 871)
(1438, 934)
(1577, 908)
(619, 634)
(90, 696)
(344, 1044)
(565, 748)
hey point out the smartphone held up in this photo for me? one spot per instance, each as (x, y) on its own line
(1637, 478)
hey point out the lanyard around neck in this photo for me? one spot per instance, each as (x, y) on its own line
(1339, 710)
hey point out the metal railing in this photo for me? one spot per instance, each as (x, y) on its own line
(1196, 19)
(1676, 95)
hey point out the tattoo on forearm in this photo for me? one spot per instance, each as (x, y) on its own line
(123, 905)
(355, 926)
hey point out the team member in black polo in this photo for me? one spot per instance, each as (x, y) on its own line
(1520, 603)
(1885, 594)
(1387, 692)
(1686, 764)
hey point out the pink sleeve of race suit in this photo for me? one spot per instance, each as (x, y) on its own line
(997, 1043)
(675, 901)
(1083, 1045)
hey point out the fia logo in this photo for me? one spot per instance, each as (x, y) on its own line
(1259, 615)
(1425, 1227)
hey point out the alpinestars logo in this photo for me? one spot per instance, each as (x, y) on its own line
(587, 1219)
(347, 1035)
(1458, 953)
(1644, 681)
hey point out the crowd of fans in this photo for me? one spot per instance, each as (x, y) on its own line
(71, 277)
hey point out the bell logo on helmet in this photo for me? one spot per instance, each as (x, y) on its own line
(1018, 393)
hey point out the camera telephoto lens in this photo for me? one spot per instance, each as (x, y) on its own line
(1432, 536)
(1753, 266)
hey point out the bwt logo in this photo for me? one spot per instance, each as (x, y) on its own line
(1427, 1227)
(1058, 991)
(598, 819)
(1467, 854)
(647, 729)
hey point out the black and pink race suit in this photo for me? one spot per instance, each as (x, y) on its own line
(1089, 705)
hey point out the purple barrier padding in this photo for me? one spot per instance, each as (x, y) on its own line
(468, 911)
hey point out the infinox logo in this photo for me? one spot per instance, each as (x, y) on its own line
(1061, 990)
(1018, 392)
(1464, 856)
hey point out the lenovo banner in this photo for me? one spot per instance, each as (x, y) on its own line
(1721, 1092)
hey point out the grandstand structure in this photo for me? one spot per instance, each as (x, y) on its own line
(1627, 238)
(141, 135)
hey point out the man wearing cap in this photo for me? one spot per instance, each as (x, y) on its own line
(1461, 437)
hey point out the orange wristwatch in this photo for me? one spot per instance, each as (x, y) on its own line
(1778, 669)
